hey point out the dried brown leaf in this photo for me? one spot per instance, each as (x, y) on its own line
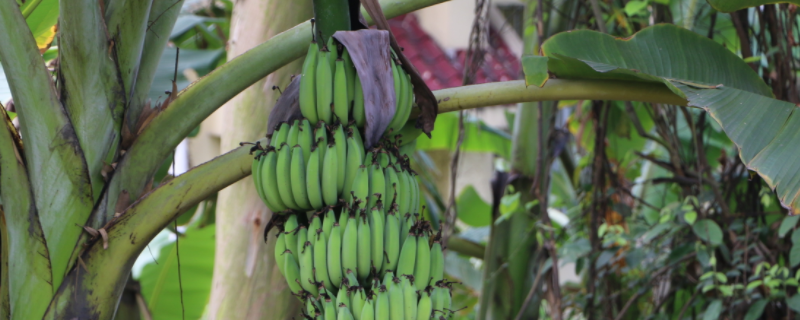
(288, 106)
(91, 231)
(123, 201)
(425, 99)
(104, 234)
(369, 50)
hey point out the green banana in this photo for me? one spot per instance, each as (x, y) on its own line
(359, 141)
(407, 93)
(358, 103)
(409, 299)
(302, 237)
(280, 247)
(437, 262)
(364, 246)
(350, 71)
(321, 134)
(383, 158)
(294, 134)
(396, 304)
(397, 87)
(391, 183)
(342, 298)
(327, 223)
(298, 176)
(368, 311)
(377, 235)
(344, 313)
(341, 102)
(283, 173)
(416, 197)
(335, 256)
(351, 167)
(307, 269)
(441, 299)
(369, 158)
(292, 272)
(391, 241)
(343, 222)
(424, 306)
(269, 182)
(334, 53)
(422, 264)
(350, 278)
(401, 112)
(357, 300)
(329, 177)
(403, 193)
(377, 185)
(409, 133)
(360, 188)
(306, 138)
(310, 307)
(387, 279)
(313, 183)
(314, 227)
(329, 309)
(279, 135)
(350, 246)
(308, 95)
(321, 261)
(255, 172)
(406, 223)
(324, 84)
(291, 227)
(447, 302)
(341, 151)
(382, 304)
(408, 256)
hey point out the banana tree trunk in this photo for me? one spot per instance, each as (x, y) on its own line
(246, 283)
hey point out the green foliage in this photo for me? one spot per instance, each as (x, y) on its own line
(733, 5)
(478, 137)
(161, 287)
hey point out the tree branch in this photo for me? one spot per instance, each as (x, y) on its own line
(130, 233)
(510, 92)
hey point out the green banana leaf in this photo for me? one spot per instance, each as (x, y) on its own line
(478, 137)
(159, 280)
(471, 208)
(710, 77)
(41, 17)
(733, 5)
(201, 61)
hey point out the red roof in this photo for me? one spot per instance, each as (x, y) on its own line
(440, 70)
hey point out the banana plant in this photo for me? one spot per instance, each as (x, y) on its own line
(78, 201)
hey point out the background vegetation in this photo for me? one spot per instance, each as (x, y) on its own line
(650, 204)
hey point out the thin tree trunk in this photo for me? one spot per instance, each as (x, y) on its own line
(246, 283)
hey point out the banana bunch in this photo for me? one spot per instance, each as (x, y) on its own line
(351, 242)
(330, 89)
(346, 256)
(393, 298)
(304, 168)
